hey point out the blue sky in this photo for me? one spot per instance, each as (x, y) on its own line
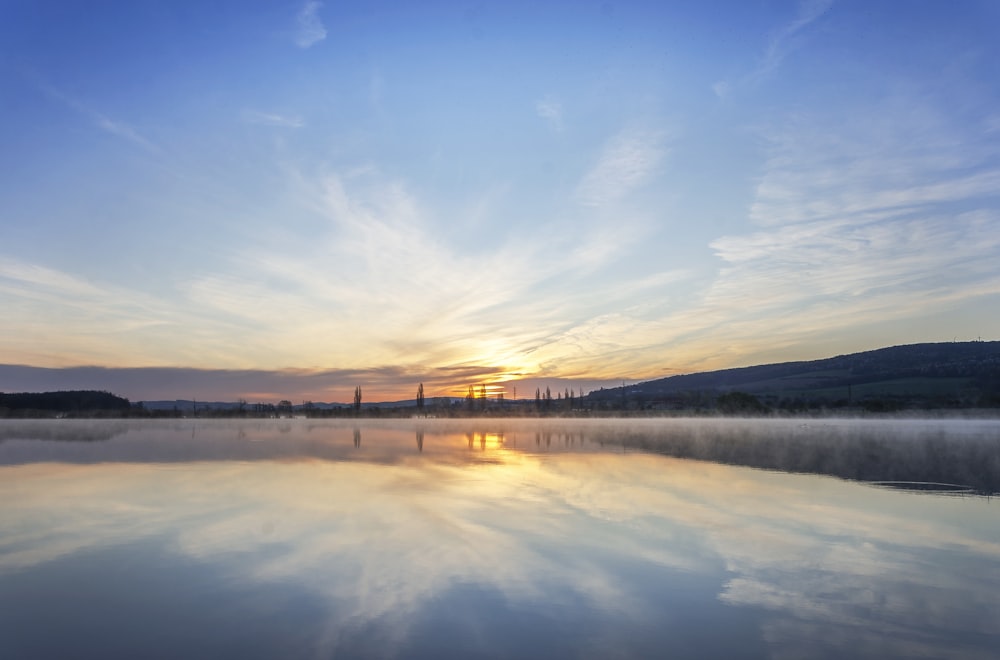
(286, 199)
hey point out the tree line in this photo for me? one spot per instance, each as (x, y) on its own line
(69, 403)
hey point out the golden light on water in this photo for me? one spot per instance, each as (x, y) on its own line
(485, 441)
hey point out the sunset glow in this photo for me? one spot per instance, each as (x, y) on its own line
(291, 199)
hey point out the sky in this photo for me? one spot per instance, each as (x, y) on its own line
(290, 199)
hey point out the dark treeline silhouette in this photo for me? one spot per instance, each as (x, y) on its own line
(70, 403)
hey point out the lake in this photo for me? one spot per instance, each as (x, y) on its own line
(496, 538)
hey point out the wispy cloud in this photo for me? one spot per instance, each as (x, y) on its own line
(382, 285)
(310, 28)
(897, 155)
(52, 313)
(876, 221)
(374, 287)
(33, 277)
(125, 131)
(551, 111)
(722, 88)
(105, 123)
(625, 163)
(858, 228)
(273, 119)
(782, 42)
(380, 258)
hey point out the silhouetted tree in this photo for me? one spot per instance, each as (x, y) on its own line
(357, 399)
(420, 397)
(740, 403)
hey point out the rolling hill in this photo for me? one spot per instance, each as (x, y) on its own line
(938, 375)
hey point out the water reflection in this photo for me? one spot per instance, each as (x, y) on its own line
(949, 455)
(64, 431)
(323, 545)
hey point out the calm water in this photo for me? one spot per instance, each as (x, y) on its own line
(465, 538)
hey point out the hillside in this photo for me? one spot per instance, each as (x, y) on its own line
(73, 403)
(940, 375)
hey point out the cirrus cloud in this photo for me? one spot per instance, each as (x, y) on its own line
(311, 30)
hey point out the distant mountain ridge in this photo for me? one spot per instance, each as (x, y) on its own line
(947, 373)
(954, 359)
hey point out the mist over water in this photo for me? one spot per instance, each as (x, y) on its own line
(494, 538)
(951, 452)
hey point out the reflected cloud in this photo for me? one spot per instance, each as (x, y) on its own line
(957, 455)
(574, 520)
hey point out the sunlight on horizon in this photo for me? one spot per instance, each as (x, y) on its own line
(409, 193)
